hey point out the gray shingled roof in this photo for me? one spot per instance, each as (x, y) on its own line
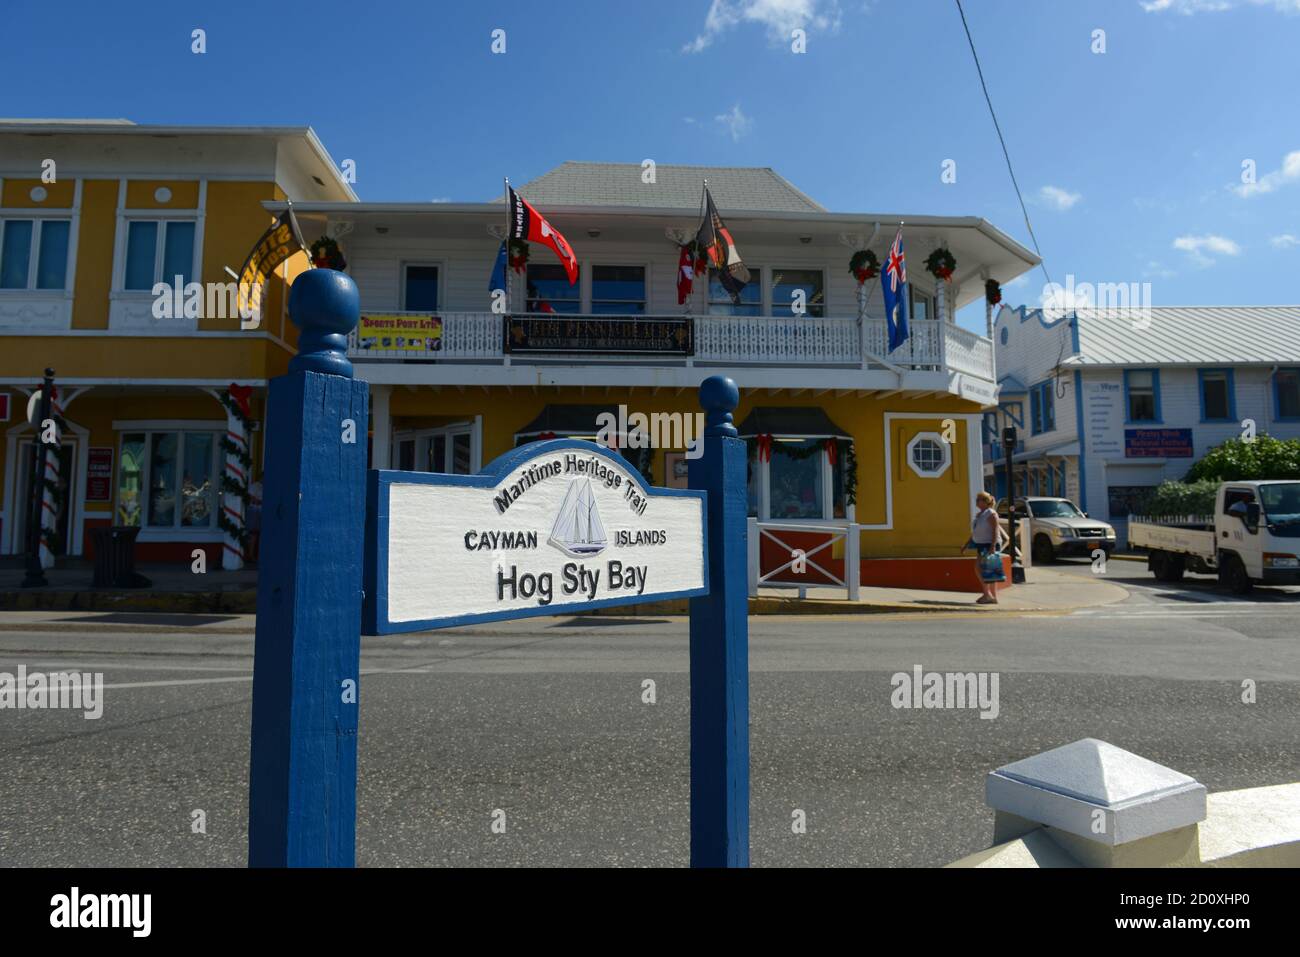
(1222, 335)
(754, 189)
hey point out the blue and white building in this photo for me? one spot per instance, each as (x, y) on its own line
(1109, 403)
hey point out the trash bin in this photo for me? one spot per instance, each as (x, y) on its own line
(115, 557)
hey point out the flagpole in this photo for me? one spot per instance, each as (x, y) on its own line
(506, 240)
(704, 192)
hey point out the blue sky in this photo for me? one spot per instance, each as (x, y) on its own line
(1131, 159)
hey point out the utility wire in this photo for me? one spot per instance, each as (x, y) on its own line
(1005, 152)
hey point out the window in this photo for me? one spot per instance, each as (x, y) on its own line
(158, 251)
(1217, 399)
(1142, 395)
(1234, 495)
(751, 296)
(928, 455)
(420, 289)
(168, 480)
(1286, 387)
(922, 306)
(1042, 407)
(786, 283)
(618, 290)
(795, 478)
(549, 290)
(34, 253)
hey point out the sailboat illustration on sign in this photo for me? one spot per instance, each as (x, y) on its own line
(577, 530)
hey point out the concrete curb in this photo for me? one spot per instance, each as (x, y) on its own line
(241, 602)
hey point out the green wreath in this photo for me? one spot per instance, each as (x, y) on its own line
(941, 264)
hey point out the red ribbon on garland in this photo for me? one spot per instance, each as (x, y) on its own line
(241, 393)
(764, 447)
(545, 436)
(831, 451)
(944, 274)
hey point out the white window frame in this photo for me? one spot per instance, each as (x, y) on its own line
(426, 263)
(423, 439)
(913, 294)
(769, 288)
(38, 219)
(176, 531)
(755, 276)
(589, 297)
(944, 448)
(160, 245)
(825, 479)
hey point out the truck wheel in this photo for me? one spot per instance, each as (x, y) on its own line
(1235, 577)
(1044, 553)
(1167, 567)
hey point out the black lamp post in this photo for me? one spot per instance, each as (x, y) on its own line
(35, 577)
(1009, 440)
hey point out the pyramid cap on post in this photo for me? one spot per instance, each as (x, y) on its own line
(1097, 791)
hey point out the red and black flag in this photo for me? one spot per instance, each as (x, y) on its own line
(528, 224)
(720, 250)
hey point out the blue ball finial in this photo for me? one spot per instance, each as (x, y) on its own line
(325, 306)
(719, 397)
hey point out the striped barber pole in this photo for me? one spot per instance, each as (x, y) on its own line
(49, 507)
(232, 506)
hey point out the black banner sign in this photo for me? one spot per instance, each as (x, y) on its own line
(626, 336)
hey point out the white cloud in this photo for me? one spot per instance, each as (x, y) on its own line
(1285, 241)
(1288, 172)
(1197, 248)
(1188, 7)
(780, 17)
(734, 122)
(1158, 270)
(1057, 198)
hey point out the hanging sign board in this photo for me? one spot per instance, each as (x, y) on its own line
(550, 528)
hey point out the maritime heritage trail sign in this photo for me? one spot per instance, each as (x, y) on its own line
(549, 528)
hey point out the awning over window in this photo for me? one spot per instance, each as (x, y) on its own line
(566, 420)
(791, 422)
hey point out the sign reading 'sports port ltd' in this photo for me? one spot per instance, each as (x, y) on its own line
(551, 527)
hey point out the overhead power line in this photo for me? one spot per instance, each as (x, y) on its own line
(1001, 139)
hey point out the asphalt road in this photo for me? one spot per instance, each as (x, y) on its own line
(545, 720)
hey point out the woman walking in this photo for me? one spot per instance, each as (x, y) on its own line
(986, 538)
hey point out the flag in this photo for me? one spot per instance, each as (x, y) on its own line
(685, 276)
(498, 278)
(277, 244)
(528, 224)
(893, 281)
(720, 250)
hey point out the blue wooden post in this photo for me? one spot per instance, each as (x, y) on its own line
(720, 644)
(303, 774)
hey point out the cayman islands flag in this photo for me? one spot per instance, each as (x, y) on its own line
(893, 282)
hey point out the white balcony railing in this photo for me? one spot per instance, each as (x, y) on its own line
(742, 340)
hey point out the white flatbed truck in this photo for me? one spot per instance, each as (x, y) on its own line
(1253, 538)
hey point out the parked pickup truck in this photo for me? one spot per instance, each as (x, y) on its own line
(1252, 539)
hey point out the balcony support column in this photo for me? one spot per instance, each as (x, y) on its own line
(381, 427)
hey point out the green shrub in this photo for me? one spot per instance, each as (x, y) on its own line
(1239, 460)
(1182, 498)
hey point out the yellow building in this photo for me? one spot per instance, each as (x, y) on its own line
(848, 440)
(93, 214)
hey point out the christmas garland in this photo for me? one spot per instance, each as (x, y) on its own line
(992, 292)
(518, 252)
(864, 265)
(760, 447)
(57, 496)
(235, 400)
(941, 264)
(325, 254)
(851, 475)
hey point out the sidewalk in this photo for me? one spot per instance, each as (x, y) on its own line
(177, 591)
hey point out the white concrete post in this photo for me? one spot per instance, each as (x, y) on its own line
(751, 540)
(382, 427)
(1026, 533)
(852, 565)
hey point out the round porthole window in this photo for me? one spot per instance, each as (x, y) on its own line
(38, 194)
(162, 195)
(1005, 335)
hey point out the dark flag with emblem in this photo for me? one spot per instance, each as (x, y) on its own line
(720, 250)
(528, 224)
(277, 244)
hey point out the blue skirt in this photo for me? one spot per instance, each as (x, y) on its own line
(990, 563)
